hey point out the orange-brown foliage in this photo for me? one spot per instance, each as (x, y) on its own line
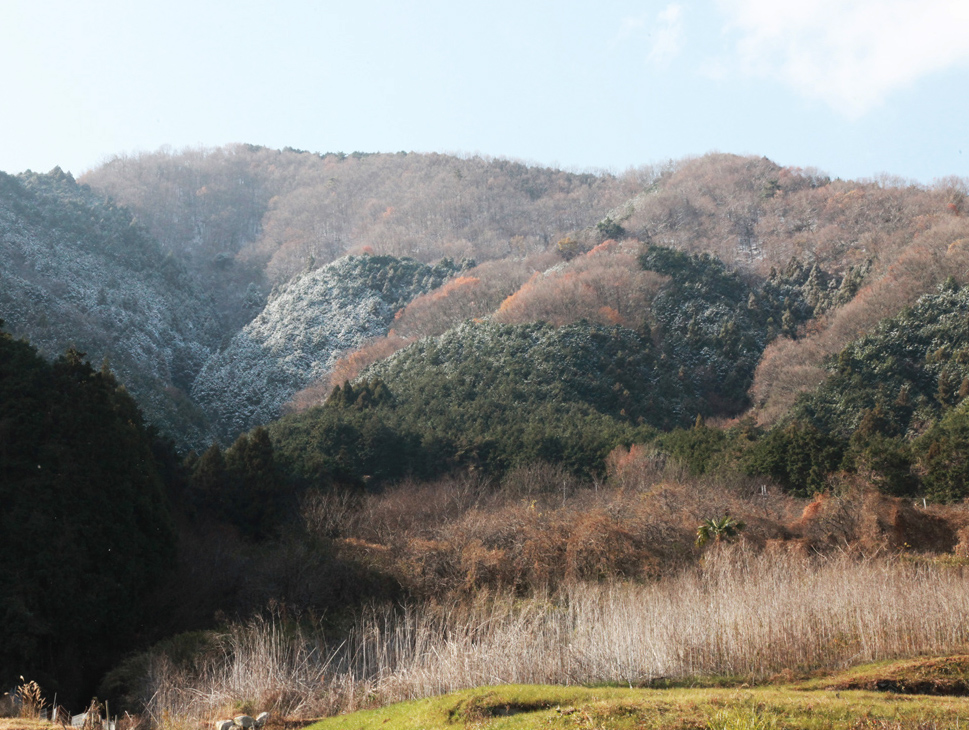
(454, 302)
(346, 369)
(638, 464)
(350, 366)
(605, 285)
(475, 294)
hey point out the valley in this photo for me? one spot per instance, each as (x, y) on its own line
(371, 417)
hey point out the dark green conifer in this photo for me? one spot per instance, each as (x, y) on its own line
(209, 481)
(254, 483)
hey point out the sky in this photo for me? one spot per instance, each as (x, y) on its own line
(854, 88)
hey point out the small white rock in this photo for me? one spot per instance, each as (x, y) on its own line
(223, 724)
(261, 719)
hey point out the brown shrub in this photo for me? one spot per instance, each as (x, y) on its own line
(635, 466)
(419, 509)
(540, 478)
(600, 546)
(860, 518)
(542, 528)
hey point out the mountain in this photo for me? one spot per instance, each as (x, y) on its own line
(210, 291)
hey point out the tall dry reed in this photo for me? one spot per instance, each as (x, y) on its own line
(738, 613)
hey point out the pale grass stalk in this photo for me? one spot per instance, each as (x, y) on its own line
(738, 613)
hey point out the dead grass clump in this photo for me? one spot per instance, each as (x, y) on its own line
(28, 700)
(263, 665)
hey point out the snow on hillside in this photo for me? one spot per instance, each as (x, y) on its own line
(306, 326)
(76, 271)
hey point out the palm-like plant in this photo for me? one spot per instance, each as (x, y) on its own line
(719, 530)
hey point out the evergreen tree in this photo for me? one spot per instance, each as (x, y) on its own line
(209, 482)
(255, 491)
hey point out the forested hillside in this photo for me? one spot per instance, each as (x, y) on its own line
(892, 407)
(240, 279)
(283, 208)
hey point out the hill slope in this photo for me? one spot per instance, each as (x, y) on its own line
(76, 270)
(279, 208)
(844, 255)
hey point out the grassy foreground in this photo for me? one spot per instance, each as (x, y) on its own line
(833, 702)
(18, 723)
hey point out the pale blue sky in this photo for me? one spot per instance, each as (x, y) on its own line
(853, 87)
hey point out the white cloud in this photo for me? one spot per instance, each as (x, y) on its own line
(667, 37)
(851, 54)
(663, 33)
(630, 26)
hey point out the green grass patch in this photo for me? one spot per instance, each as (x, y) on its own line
(754, 708)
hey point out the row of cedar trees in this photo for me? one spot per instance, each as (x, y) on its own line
(86, 525)
(241, 485)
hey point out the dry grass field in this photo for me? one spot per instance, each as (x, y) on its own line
(750, 617)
